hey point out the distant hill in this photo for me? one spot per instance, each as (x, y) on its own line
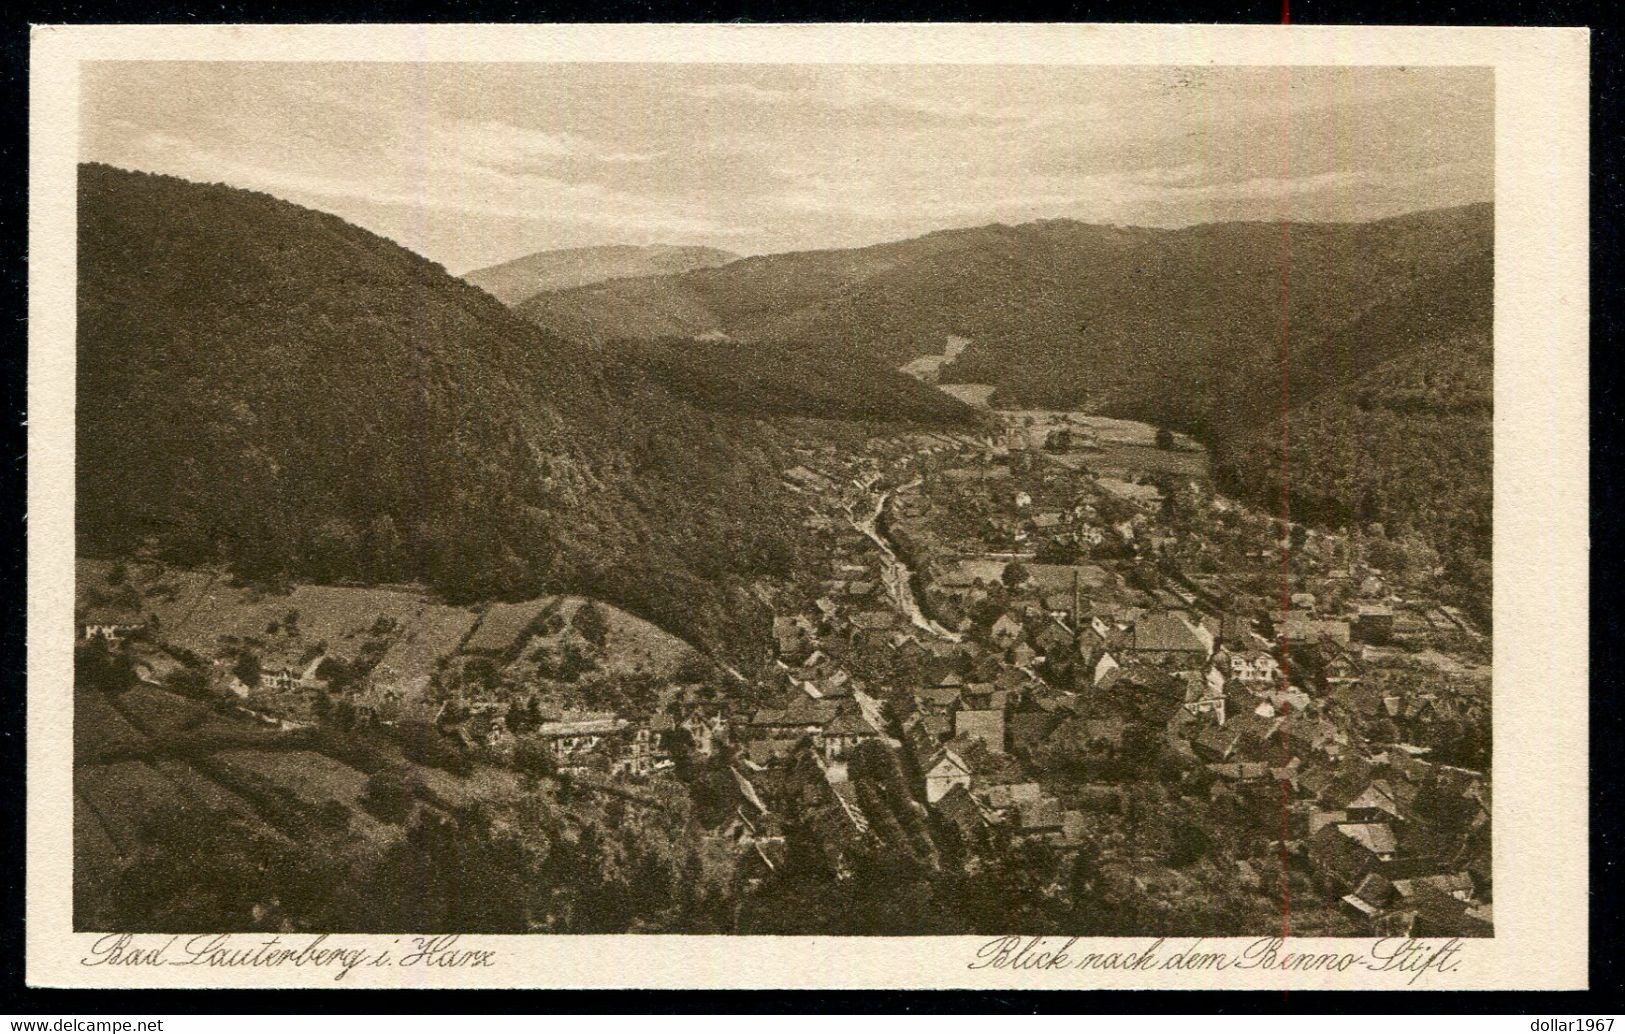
(748, 299)
(1056, 312)
(1180, 327)
(269, 385)
(518, 279)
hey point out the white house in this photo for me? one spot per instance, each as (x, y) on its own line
(1254, 666)
(1105, 666)
(947, 772)
(1204, 694)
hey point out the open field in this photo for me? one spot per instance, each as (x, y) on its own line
(972, 394)
(1141, 459)
(1104, 428)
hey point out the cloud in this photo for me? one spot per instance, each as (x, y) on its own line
(481, 163)
(500, 143)
(1269, 187)
(739, 91)
(449, 184)
(1180, 175)
(849, 94)
(857, 93)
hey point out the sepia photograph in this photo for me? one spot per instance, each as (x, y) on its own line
(1007, 502)
(690, 499)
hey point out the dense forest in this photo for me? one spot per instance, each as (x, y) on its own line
(1389, 422)
(1056, 312)
(772, 379)
(269, 386)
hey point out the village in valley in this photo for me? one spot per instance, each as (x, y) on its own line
(1049, 640)
(1062, 628)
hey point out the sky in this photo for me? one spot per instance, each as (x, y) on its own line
(473, 164)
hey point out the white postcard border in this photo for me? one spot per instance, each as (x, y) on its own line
(1541, 500)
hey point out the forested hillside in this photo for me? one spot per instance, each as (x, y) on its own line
(1388, 419)
(1385, 326)
(1058, 312)
(270, 386)
(772, 379)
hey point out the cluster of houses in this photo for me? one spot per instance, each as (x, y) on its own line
(581, 742)
(111, 623)
(1070, 632)
(1307, 718)
(1403, 843)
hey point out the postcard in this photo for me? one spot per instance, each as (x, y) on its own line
(789, 506)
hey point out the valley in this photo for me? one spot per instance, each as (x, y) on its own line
(932, 587)
(1181, 328)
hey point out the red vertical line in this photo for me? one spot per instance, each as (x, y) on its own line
(1286, 506)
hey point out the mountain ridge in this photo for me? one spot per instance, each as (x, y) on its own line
(794, 296)
(269, 386)
(518, 279)
(1184, 328)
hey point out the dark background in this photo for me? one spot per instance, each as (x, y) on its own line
(1607, 715)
